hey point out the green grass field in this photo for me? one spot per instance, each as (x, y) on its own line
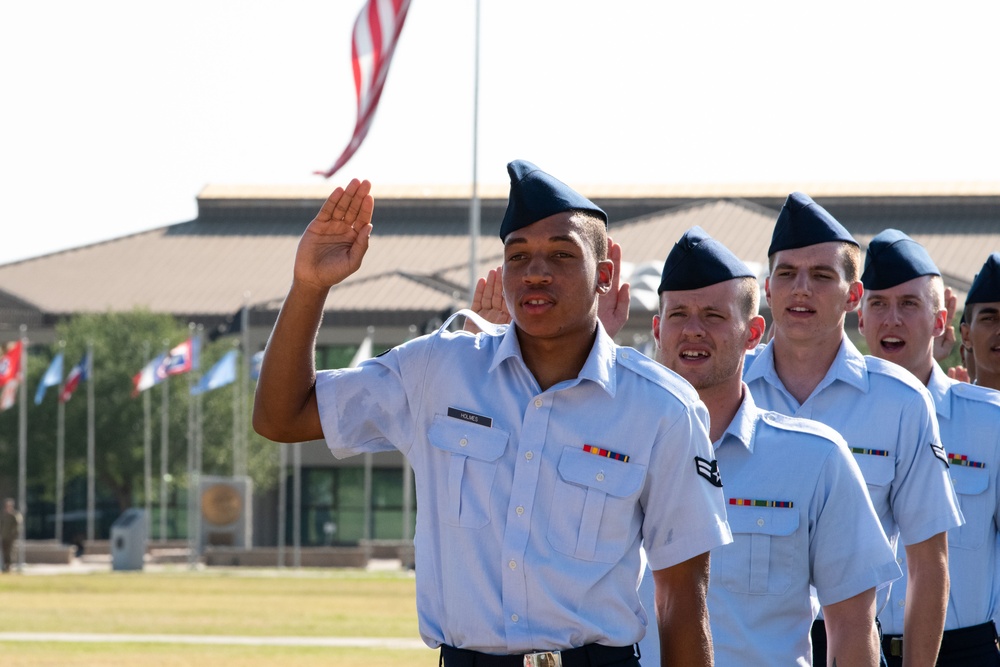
(228, 602)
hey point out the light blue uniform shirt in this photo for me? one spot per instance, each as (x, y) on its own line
(887, 418)
(525, 540)
(827, 536)
(969, 419)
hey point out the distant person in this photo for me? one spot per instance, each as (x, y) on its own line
(902, 314)
(544, 454)
(797, 503)
(981, 325)
(10, 529)
(811, 369)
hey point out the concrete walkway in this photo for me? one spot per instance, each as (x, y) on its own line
(335, 642)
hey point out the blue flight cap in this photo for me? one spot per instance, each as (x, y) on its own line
(893, 258)
(535, 195)
(986, 285)
(697, 260)
(802, 222)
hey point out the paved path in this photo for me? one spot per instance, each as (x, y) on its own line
(92, 638)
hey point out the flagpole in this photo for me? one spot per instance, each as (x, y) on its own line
(22, 447)
(198, 437)
(147, 452)
(60, 450)
(164, 450)
(237, 390)
(91, 504)
(474, 211)
(245, 387)
(190, 460)
(282, 501)
(297, 504)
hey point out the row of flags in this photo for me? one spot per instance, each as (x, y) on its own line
(53, 377)
(181, 359)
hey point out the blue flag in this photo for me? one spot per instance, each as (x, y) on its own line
(221, 374)
(255, 362)
(52, 377)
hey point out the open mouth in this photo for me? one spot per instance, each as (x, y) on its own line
(694, 355)
(892, 344)
(801, 310)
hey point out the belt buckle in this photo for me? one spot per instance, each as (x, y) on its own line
(896, 647)
(543, 659)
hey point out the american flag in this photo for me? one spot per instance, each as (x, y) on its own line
(376, 32)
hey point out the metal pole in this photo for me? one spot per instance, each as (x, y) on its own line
(244, 421)
(474, 211)
(164, 453)
(60, 451)
(191, 539)
(237, 390)
(282, 501)
(91, 493)
(297, 503)
(22, 448)
(147, 452)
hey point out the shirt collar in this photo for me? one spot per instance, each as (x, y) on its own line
(940, 385)
(599, 367)
(741, 429)
(848, 366)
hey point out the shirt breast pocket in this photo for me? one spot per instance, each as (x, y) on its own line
(971, 485)
(473, 453)
(595, 514)
(878, 472)
(762, 558)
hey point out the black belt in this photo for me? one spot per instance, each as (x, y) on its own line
(591, 655)
(960, 639)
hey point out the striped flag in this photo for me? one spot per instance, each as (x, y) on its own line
(376, 32)
(75, 377)
(147, 377)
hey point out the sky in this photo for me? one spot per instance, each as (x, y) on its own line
(115, 115)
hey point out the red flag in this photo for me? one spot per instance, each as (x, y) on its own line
(376, 32)
(10, 363)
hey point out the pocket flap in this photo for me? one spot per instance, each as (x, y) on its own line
(969, 481)
(468, 439)
(778, 521)
(877, 470)
(616, 478)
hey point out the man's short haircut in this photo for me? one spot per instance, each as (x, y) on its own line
(595, 231)
(850, 262)
(749, 297)
(935, 290)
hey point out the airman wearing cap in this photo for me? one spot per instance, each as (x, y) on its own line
(901, 313)
(981, 324)
(544, 454)
(791, 485)
(811, 369)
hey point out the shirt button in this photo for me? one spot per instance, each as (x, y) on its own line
(514, 617)
(624, 355)
(519, 510)
(902, 603)
(899, 561)
(463, 442)
(512, 565)
(760, 522)
(538, 402)
(600, 477)
(529, 455)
